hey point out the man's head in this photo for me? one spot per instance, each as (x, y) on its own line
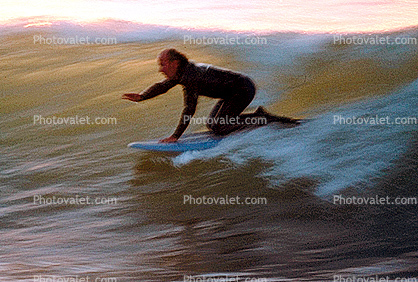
(171, 61)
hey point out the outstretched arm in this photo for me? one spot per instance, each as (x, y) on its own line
(152, 91)
(134, 97)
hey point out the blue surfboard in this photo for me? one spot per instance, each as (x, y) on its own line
(206, 139)
(192, 142)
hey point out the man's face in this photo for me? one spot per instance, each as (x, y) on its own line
(169, 68)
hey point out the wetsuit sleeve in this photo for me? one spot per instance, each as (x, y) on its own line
(190, 103)
(158, 88)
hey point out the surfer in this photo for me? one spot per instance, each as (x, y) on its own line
(235, 91)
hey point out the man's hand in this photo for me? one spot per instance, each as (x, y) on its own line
(134, 97)
(170, 139)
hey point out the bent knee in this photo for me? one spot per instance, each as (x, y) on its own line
(218, 129)
(215, 128)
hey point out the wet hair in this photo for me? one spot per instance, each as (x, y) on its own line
(174, 55)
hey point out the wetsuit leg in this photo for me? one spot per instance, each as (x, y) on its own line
(224, 116)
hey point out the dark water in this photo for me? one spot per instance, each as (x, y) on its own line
(149, 233)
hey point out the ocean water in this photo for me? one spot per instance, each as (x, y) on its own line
(142, 229)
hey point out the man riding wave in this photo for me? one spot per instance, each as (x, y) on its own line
(235, 91)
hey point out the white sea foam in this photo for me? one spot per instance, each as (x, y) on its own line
(338, 156)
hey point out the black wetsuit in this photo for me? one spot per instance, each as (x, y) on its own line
(235, 90)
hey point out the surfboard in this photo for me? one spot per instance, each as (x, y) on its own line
(206, 139)
(191, 142)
